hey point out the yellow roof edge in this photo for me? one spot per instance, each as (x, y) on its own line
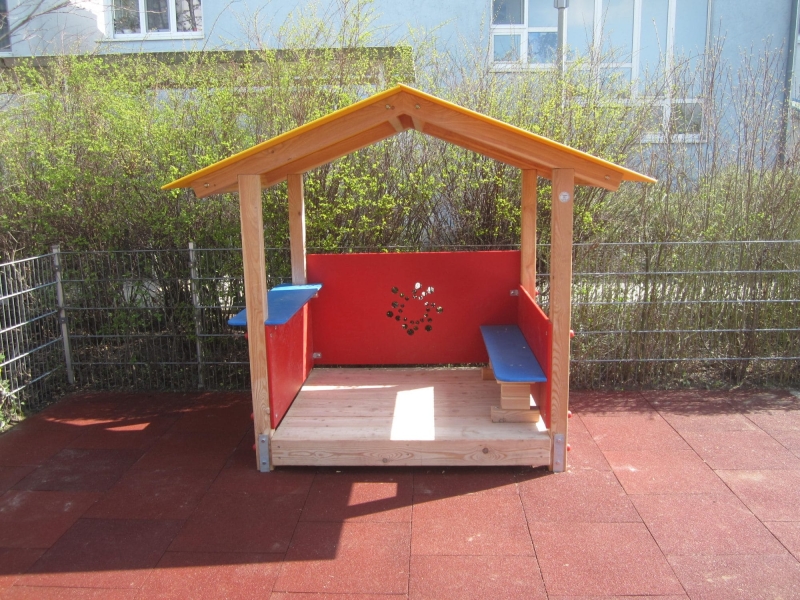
(187, 179)
(633, 175)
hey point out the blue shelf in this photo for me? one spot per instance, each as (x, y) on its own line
(283, 302)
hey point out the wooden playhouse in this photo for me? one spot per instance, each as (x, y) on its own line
(365, 316)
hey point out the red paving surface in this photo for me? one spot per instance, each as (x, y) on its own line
(669, 495)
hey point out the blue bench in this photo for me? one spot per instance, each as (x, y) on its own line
(283, 302)
(511, 357)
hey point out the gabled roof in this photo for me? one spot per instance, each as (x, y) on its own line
(386, 114)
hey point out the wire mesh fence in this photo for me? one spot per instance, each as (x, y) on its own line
(31, 347)
(645, 315)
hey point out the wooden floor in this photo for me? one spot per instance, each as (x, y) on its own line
(403, 417)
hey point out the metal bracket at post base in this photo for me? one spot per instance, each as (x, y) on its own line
(559, 452)
(263, 453)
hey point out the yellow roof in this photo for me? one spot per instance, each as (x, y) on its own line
(385, 114)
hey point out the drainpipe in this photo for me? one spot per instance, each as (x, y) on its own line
(562, 5)
(787, 93)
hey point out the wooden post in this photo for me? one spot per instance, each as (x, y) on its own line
(528, 232)
(560, 310)
(255, 294)
(297, 228)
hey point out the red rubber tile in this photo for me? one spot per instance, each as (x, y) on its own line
(37, 519)
(124, 434)
(9, 476)
(684, 421)
(670, 597)
(67, 593)
(677, 472)
(776, 420)
(788, 439)
(738, 577)
(750, 450)
(475, 577)
(576, 424)
(242, 476)
(103, 553)
(80, 470)
(788, 534)
(772, 495)
(217, 575)
(157, 494)
(30, 446)
(191, 450)
(232, 418)
(347, 558)
(457, 481)
(640, 432)
(241, 522)
(601, 404)
(584, 453)
(704, 524)
(596, 559)
(14, 562)
(480, 524)
(303, 596)
(360, 496)
(578, 496)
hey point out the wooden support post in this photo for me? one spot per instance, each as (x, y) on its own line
(560, 310)
(528, 232)
(297, 228)
(255, 294)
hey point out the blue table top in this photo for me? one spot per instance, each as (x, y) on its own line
(511, 356)
(283, 302)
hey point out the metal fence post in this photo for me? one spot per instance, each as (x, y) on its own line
(198, 329)
(62, 313)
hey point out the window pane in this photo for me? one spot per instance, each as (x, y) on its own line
(507, 12)
(686, 118)
(542, 47)
(126, 16)
(5, 42)
(188, 15)
(653, 49)
(506, 48)
(616, 82)
(690, 42)
(580, 26)
(157, 15)
(618, 30)
(541, 13)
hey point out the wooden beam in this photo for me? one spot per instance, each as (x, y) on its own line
(398, 126)
(255, 297)
(324, 156)
(301, 145)
(528, 232)
(541, 154)
(297, 228)
(561, 306)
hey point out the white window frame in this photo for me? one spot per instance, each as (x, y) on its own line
(172, 34)
(634, 63)
(10, 50)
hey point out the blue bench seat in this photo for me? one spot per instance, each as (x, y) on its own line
(511, 357)
(283, 302)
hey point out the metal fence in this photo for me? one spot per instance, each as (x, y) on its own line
(648, 315)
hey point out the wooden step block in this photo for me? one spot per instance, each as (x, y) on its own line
(515, 395)
(487, 374)
(502, 415)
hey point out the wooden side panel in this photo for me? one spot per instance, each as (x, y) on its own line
(528, 232)
(255, 292)
(561, 297)
(366, 299)
(297, 228)
(538, 332)
(289, 356)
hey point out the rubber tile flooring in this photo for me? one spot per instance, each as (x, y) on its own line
(669, 495)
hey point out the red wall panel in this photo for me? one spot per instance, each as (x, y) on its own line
(366, 299)
(289, 361)
(538, 332)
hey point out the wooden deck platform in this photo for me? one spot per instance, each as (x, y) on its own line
(355, 416)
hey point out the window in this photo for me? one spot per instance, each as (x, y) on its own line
(638, 41)
(5, 38)
(162, 18)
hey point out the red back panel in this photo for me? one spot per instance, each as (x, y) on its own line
(288, 360)
(366, 299)
(538, 332)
